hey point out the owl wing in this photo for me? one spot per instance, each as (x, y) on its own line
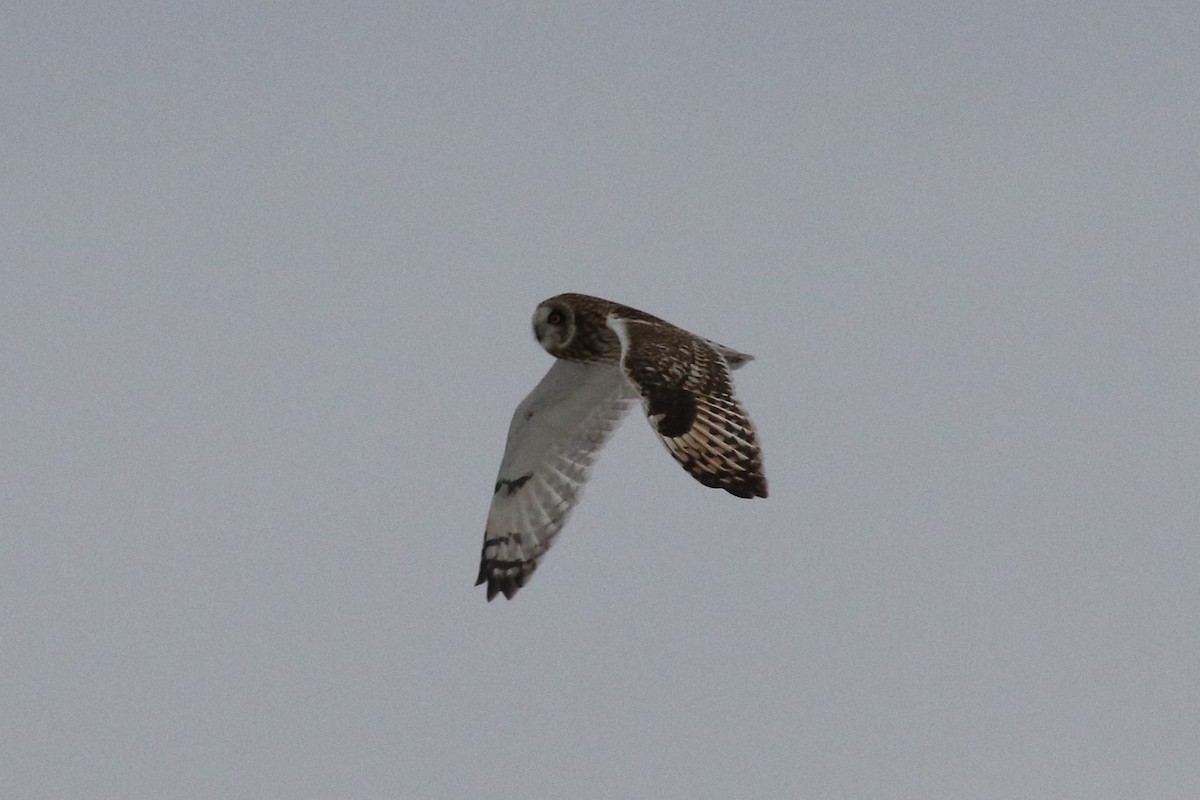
(688, 397)
(553, 439)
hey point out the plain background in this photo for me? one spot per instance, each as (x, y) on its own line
(268, 275)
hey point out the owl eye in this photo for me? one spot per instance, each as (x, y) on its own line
(555, 317)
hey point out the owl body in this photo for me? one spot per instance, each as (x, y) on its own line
(609, 355)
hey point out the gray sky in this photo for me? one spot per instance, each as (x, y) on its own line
(265, 318)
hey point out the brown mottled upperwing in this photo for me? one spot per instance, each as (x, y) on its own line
(688, 397)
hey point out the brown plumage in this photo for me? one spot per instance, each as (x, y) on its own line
(608, 354)
(688, 396)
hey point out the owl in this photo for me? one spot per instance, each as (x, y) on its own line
(608, 355)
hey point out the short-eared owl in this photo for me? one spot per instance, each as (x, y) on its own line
(607, 356)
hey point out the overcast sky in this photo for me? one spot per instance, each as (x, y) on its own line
(268, 276)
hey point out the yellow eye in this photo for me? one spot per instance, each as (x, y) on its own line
(555, 317)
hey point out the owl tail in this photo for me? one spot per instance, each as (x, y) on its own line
(732, 357)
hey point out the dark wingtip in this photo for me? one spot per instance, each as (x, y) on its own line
(750, 487)
(507, 588)
(491, 587)
(744, 485)
(500, 584)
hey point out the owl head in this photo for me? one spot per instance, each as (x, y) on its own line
(575, 327)
(554, 325)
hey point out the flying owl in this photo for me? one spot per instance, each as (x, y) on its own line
(608, 355)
